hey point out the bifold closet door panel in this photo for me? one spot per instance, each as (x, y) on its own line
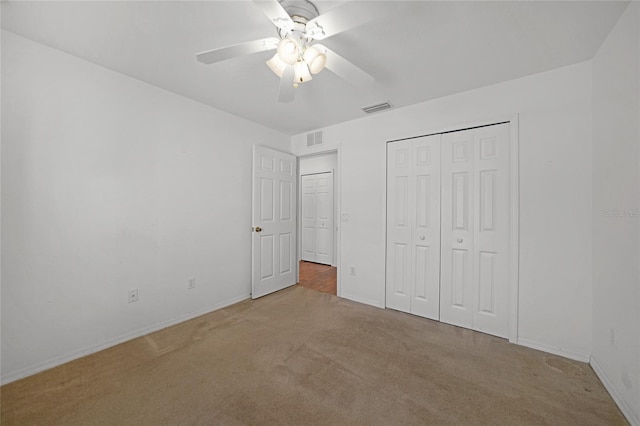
(456, 289)
(317, 218)
(492, 229)
(309, 218)
(324, 218)
(413, 226)
(425, 247)
(398, 271)
(476, 229)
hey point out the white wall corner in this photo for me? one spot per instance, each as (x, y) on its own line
(632, 418)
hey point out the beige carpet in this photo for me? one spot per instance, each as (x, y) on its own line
(304, 357)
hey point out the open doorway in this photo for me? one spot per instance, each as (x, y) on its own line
(317, 212)
(319, 277)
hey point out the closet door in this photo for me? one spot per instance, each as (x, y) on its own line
(492, 229)
(456, 289)
(399, 173)
(425, 247)
(324, 218)
(317, 218)
(309, 218)
(413, 226)
(475, 229)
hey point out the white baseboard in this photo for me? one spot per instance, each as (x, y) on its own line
(633, 419)
(555, 350)
(59, 360)
(361, 300)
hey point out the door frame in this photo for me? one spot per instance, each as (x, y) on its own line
(514, 209)
(337, 176)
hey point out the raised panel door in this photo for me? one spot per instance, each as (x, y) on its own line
(425, 222)
(399, 233)
(456, 279)
(413, 226)
(491, 230)
(324, 214)
(317, 218)
(274, 221)
(309, 218)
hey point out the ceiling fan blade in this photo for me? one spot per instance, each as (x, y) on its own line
(276, 13)
(228, 52)
(345, 69)
(344, 17)
(287, 92)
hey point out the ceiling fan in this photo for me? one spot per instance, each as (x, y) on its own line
(299, 25)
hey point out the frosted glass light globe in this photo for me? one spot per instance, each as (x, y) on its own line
(301, 72)
(315, 59)
(288, 51)
(277, 65)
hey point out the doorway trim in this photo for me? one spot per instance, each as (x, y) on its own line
(337, 194)
(514, 209)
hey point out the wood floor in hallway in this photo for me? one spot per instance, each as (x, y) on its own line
(318, 277)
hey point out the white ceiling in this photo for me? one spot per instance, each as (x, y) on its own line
(422, 50)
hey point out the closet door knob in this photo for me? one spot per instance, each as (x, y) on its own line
(422, 237)
(459, 240)
(258, 229)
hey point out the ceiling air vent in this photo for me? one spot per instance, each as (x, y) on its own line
(377, 108)
(314, 138)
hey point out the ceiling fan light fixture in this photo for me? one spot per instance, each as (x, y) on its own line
(314, 30)
(315, 59)
(277, 65)
(301, 72)
(288, 51)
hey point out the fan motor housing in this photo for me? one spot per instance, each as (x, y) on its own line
(301, 11)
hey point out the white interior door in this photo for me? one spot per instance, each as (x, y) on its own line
(492, 230)
(425, 248)
(317, 218)
(413, 226)
(309, 218)
(398, 279)
(324, 214)
(456, 306)
(274, 221)
(476, 229)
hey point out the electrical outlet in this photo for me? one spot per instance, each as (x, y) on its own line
(192, 283)
(133, 295)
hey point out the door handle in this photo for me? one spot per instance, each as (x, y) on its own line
(459, 240)
(258, 229)
(422, 237)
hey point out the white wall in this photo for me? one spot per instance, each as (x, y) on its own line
(616, 221)
(110, 184)
(555, 184)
